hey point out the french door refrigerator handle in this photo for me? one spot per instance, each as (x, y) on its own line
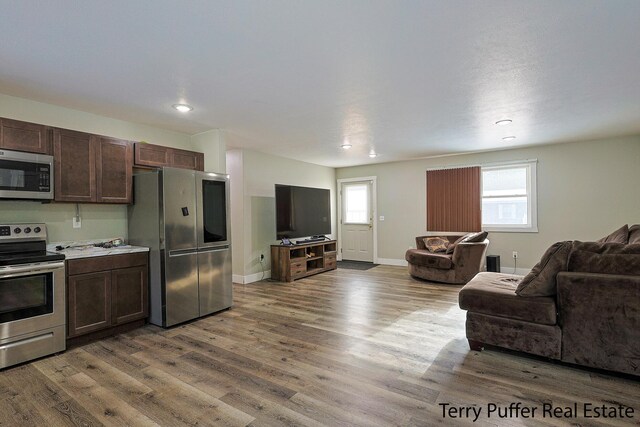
(214, 249)
(182, 252)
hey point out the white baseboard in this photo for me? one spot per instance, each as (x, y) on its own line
(243, 280)
(392, 261)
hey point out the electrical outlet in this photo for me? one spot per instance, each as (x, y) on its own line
(515, 254)
(77, 222)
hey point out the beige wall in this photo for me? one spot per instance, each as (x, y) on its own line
(585, 190)
(236, 184)
(212, 144)
(98, 221)
(259, 173)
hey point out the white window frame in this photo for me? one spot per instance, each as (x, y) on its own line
(532, 199)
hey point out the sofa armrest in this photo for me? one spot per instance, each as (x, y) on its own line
(600, 319)
(470, 254)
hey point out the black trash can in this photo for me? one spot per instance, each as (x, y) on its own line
(493, 263)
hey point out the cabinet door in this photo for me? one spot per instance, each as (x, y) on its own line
(152, 155)
(75, 163)
(114, 163)
(89, 297)
(129, 292)
(23, 136)
(187, 159)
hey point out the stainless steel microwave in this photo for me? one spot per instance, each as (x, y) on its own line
(25, 175)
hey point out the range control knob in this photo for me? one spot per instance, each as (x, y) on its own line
(27, 230)
(37, 230)
(17, 230)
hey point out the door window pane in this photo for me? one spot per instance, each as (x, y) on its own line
(356, 201)
(214, 215)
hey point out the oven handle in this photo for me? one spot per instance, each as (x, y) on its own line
(25, 270)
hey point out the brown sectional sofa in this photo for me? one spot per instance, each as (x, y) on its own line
(592, 320)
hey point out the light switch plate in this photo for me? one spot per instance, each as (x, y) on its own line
(381, 217)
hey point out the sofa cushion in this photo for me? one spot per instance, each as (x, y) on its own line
(606, 248)
(634, 234)
(495, 294)
(436, 244)
(621, 235)
(427, 259)
(541, 280)
(608, 263)
(478, 237)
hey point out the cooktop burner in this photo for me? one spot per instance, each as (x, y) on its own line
(25, 244)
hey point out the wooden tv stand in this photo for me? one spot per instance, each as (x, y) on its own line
(289, 263)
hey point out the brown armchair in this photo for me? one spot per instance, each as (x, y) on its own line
(457, 268)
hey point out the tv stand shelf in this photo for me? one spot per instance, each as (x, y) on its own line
(289, 263)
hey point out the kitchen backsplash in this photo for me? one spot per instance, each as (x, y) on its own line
(98, 221)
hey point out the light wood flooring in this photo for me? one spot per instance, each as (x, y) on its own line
(342, 348)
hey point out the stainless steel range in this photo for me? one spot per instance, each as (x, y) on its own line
(32, 295)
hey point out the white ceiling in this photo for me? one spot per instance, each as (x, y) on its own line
(297, 78)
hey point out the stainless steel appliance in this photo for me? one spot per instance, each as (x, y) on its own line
(32, 295)
(25, 175)
(183, 217)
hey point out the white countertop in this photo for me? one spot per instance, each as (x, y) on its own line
(87, 250)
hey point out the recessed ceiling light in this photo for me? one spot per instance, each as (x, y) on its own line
(504, 122)
(508, 138)
(183, 108)
(346, 145)
(372, 155)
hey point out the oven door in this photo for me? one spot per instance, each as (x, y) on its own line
(25, 175)
(31, 298)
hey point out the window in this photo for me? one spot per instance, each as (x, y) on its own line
(509, 198)
(356, 209)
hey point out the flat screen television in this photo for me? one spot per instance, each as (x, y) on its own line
(302, 211)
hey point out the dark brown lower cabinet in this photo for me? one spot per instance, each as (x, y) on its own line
(89, 303)
(129, 294)
(104, 293)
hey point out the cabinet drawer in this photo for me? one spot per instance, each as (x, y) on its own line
(330, 261)
(104, 263)
(298, 268)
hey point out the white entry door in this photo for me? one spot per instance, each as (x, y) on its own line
(356, 221)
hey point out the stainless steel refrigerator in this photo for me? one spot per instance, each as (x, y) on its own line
(183, 217)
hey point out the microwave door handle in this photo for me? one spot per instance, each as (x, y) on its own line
(25, 270)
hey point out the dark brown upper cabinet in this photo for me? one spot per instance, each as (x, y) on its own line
(156, 156)
(75, 166)
(114, 166)
(23, 136)
(91, 168)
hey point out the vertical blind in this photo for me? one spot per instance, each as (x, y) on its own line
(453, 200)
